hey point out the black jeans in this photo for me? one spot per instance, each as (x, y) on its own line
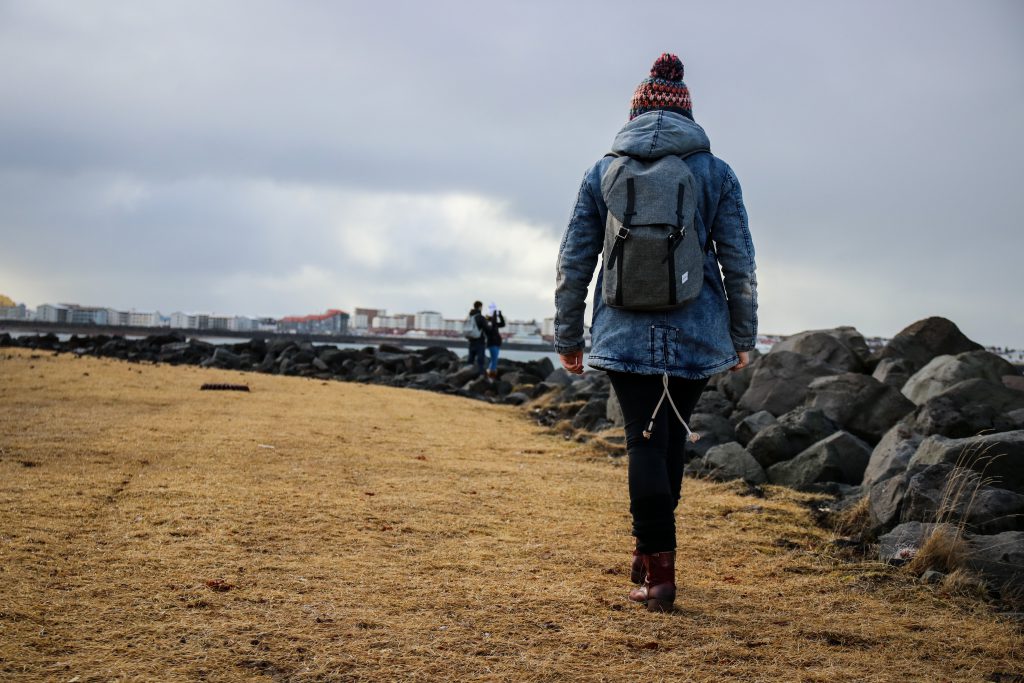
(655, 464)
(477, 354)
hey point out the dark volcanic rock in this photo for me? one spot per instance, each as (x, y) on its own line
(942, 372)
(1000, 560)
(860, 404)
(713, 430)
(731, 461)
(885, 502)
(892, 454)
(902, 543)
(999, 457)
(946, 493)
(792, 433)
(892, 371)
(781, 380)
(843, 347)
(733, 385)
(968, 408)
(926, 339)
(840, 458)
(751, 425)
(713, 402)
(592, 416)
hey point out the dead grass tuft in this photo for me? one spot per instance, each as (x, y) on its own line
(964, 583)
(854, 520)
(311, 531)
(944, 550)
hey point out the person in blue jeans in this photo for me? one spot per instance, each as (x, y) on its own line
(494, 321)
(651, 357)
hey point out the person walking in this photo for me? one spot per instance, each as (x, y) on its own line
(494, 321)
(475, 331)
(662, 356)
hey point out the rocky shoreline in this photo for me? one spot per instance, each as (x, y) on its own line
(921, 443)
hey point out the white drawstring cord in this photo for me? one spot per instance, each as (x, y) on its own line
(692, 436)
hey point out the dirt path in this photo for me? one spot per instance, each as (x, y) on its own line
(310, 531)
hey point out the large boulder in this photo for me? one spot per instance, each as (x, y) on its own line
(733, 385)
(585, 387)
(892, 371)
(843, 347)
(946, 493)
(942, 372)
(998, 457)
(714, 402)
(926, 339)
(859, 403)
(713, 430)
(968, 408)
(592, 416)
(792, 433)
(999, 558)
(731, 461)
(885, 502)
(752, 425)
(892, 454)
(840, 458)
(780, 382)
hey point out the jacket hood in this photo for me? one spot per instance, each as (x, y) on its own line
(660, 133)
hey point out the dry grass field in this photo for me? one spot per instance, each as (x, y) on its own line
(312, 531)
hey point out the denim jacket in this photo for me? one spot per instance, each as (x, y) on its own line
(698, 339)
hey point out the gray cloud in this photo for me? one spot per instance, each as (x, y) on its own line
(173, 155)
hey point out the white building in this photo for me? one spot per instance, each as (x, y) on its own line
(362, 319)
(429, 321)
(241, 324)
(191, 321)
(521, 328)
(547, 328)
(453, 326)
(72, 313)
(218, 322)
(18, 312)
(401, 321)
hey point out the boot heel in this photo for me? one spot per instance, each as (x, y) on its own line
(658, 605)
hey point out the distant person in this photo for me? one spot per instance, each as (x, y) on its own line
(494, 321)
(474, 329)
(656, 354)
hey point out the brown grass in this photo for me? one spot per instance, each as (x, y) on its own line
(943, 550)
(315, 531)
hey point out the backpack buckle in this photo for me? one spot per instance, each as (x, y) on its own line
(623, 233)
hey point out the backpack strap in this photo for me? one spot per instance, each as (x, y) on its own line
(616, 259)
(707, 242)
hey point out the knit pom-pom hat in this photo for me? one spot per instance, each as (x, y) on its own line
(664, 89)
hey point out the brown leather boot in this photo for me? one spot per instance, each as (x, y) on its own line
(658, 591)
(637, 571)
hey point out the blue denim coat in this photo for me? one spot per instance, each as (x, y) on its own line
(698, 339)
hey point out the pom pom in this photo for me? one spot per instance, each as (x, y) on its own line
(667, 67)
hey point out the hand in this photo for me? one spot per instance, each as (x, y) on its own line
(744, 361)
(573, 362)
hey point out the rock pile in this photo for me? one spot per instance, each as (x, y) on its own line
(926, 433)
(433, 368)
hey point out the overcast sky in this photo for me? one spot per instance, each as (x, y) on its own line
(275, 158)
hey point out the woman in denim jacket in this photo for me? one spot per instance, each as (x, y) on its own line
(673, 352)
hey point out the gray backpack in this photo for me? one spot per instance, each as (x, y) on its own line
(653, 256)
